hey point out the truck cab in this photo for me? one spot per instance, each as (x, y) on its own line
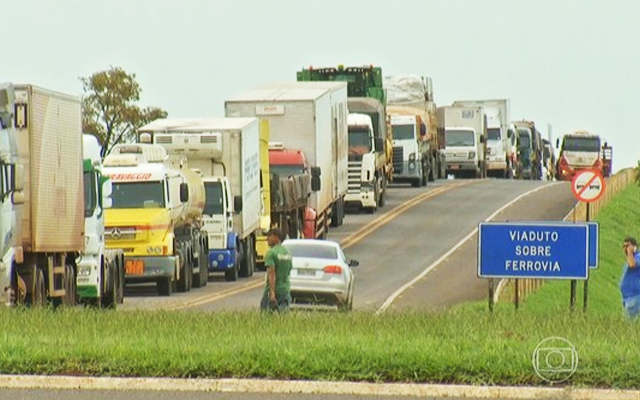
(498, 145)
(529, 151)
(409, 163)
(579, 150)
(364, 185)
(464, 147)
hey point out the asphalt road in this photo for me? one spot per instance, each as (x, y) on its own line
(20, 394)
(414, 229)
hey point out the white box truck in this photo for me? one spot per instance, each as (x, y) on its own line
(465, 133)
(49, 236)
(499, 145)
(311, 117)
(226, 152)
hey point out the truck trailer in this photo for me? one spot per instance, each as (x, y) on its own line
(311, 117)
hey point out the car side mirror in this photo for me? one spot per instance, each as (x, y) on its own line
(354, 263)
(237, 204)
(184, 192)
(379, 143)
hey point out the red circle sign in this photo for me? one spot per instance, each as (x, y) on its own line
(588, 185)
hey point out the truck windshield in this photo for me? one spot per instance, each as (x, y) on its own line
(138, 195)
(213, 203)
(458, 137)
(403, 132)
(286, 169)
(586, 144)
(525, 139)
(359, 142)
(493, 134)
(90, 193)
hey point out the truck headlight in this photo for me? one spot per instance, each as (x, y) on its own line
(154, 250)
(412, 165)
(412, 157)
(472, 155)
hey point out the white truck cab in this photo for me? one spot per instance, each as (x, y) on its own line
(363, 187)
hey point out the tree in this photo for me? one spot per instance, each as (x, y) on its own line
(109, 109)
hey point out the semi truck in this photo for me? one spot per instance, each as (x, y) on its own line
(43, 181)
(311, 117)
(370, 143)
(582, 150)
(530, 150)
(156, 217)
(418, 143)
(498, 135)
(464, 130)
(226, 152)
(100, 277)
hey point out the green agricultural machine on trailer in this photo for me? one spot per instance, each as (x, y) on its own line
(370, 141)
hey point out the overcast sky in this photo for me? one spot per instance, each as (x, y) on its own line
(572, 64)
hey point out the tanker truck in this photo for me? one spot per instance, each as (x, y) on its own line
(43, 180)
(156, 217)
(100, 270)
(226, 152)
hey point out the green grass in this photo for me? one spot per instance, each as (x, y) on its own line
(464, 345)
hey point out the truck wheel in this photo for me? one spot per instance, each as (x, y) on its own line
(415, 182)
(164, 286)
(383, 191)
(197, 277)
(110, 295)
(69, 283)
(185, 271)
(204, 264)
(231, 275)
(120, 278)
(249, 259)
(432, 170)
(37, 298)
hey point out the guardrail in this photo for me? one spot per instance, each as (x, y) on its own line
(614, 185)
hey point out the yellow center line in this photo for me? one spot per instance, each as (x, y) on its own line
(349, 241)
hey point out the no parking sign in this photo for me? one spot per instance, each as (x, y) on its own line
(588, 185)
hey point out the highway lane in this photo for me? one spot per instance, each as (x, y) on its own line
(459, 270)
(145, 296)
(39, 394)
(398, 251)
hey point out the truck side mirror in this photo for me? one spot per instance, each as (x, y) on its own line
(184, 192)
(423, 129)
(315, 183)
(481, 138)
(557, 143)
(315, 171)
(379, 144)
(17, 198)
(7, 97)
(237, 204)
(18, 177)
(107, 190)
(509, 134)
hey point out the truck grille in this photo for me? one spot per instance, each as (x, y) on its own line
(120, 233)
(398, 158)
(353, 176)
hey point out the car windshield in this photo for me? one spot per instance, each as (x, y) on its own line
(138, 194)
(459, 137)
(286, 170)
(524, 138)
(493, 134)
(305, 250)
(403, 132)
(590, 144)
(213, 204)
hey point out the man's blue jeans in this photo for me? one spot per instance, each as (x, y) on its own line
(632, 306)
(282, 303)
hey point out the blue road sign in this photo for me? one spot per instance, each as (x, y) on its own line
(533, 250)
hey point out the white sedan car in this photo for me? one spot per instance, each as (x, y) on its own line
(321, 273)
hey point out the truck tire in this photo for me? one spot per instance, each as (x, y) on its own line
(383, 192)
(196, 279)
(109, 296)
(425, 177)
(69, 283)
(415, 182)
(37, 297)
(184, 284)
(165, 286)
(249, 260)
(231, 275)
(120, 278)
(432, 169)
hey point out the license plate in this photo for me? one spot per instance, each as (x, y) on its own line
(307, 272)
(134, 267)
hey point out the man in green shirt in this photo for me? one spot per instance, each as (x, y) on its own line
(277, 289)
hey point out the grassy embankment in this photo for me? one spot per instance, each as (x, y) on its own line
(464, 345)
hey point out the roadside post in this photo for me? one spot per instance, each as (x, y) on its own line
(535, 250)
(587, 186)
